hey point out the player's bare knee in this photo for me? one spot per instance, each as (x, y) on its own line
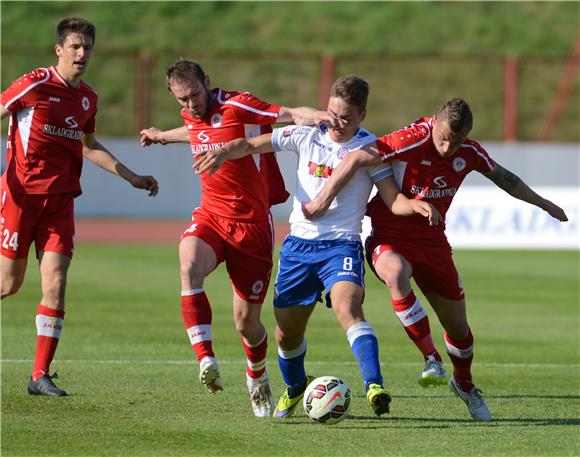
(249, 327)
(193, 272)
(396, 280)
(10, 286)
(288, 340)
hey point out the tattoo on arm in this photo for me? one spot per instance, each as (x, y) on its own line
(504, 178)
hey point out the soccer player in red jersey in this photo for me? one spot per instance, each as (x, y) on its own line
(52, 125)
(430, 158)
(233, 223)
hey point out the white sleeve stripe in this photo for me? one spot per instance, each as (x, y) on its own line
(480, 154)
(414, 145)
(249, 108)
(32, 86)
(241, 105)
(377, 176)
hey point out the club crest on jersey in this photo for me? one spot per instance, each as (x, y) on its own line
(459, 164)
(216, 120)
(287, 132)
(341, 153)
(85, 103)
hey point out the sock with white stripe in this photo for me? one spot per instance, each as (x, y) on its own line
(461, 354)
(49, 324)
(197, 316)
(256, 356)
(365, 347)
(291, 365)
(414, 318)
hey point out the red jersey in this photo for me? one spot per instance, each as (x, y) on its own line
(423, 174)
(48, 121)
(241, 189)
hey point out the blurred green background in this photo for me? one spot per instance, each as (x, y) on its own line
(415, 55)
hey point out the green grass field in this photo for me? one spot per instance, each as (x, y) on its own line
(125, 358)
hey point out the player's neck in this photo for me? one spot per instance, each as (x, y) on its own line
(74, 81)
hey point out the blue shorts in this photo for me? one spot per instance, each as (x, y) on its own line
(307, 267)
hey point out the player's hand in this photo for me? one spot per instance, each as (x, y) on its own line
(555, 211)
(313, 209)
(148, 183)
(325, 117)
(427, 210)
(209, 161)
(150, 136)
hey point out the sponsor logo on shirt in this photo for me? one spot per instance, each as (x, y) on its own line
(197, 148)
(54, 99)
(202, 136)
(322, 146)
(65, 133)
(320, 171)
(425, 192)
(71, 122)
(439, 182)
(427, 163)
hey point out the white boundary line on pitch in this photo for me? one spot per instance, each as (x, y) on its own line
(308, 362)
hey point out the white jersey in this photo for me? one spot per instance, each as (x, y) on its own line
(318, 155)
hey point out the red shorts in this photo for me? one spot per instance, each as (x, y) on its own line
(46, 219)
(246, 247)
(431, 260)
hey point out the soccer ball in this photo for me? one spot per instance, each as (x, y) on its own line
(326, 400)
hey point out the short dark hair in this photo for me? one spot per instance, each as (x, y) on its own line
(183, 70)
(457, 114)
(351, 89)
(74, 25)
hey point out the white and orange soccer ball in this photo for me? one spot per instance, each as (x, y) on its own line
(326, 400)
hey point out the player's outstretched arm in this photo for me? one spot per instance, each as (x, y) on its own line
(153, 135)
(100, 156)
(514, 186)
(232, 150)
(341, 175)
(400, 205)
(304, 115)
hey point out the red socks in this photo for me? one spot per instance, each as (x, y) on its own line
(196, 313)
(461, 354)
(256, 356)
(49, 323)
(416, 323)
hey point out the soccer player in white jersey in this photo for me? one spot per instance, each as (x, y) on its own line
(325, 254)
(430, 159)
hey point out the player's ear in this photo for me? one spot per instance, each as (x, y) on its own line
(363, 115)
(58, 50)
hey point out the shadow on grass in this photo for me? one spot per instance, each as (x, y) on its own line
(373, 422)
(445, 394)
